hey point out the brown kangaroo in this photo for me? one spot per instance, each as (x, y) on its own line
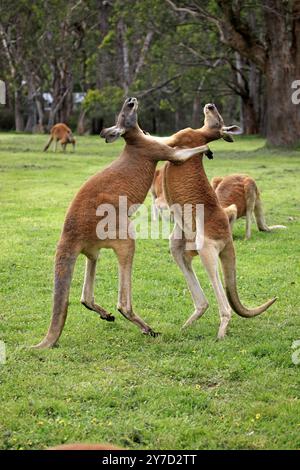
(63, 134)
(239, 196)
(189, 185)
(131, 176)
(159, 202)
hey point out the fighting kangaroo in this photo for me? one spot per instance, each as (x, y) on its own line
(63, 134)
(130, 176)
(189, 185)
(239, 196)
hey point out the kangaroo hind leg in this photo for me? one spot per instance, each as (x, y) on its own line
(183, 259)
(87, 296)
(124, 250)
(209, 256)
(66, 256)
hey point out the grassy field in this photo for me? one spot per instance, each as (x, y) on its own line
(107, 382)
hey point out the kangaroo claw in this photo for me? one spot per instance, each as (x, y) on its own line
(152, 333)
(108, 318)
(209, 154)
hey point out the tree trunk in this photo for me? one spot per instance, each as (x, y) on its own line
(81, 123)
(62, 104)
(154, 122)
(40, 112)
(177, 120)
(196, 117)
(277, 56)
(124, 51)
(283, 123)
(104, 8)
(257, 95)
(19, 119)
(66, 107)
(97, 125)
(250, 123)
(31, 118)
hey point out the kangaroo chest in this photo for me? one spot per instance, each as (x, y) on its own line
(188, 184)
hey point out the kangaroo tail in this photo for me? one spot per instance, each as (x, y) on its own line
(275, 227)
(228, 261)
(216, 181)
(64, 265)
(48, 144)
(231, 212)
(260, 218)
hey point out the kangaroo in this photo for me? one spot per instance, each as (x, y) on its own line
(63, 134)
(240, 197)
(159, 202)
(131, 176)
(189, 185)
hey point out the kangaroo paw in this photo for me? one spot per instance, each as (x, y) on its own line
(152, 333)
(104, 315)
(109, 318)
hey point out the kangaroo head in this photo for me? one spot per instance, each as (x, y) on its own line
(126, 120)
(214, 121)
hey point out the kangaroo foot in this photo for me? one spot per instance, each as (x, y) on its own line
(152, 333)
(104, 315)
(131, 316)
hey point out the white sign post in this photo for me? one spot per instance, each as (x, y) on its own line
(2, 92)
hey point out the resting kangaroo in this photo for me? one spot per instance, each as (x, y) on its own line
(159, 202)
(189, 185)
(61, 132)
(240, 197)
(131, 176)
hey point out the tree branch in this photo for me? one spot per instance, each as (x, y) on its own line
(143, 53)
(234, 32)
(141, 94)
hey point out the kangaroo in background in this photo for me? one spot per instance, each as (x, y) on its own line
(159, 202)
(131, 176)
(239, 196)
(189, 185)
(63, 134)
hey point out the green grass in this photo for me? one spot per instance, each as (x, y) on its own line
(107, 382)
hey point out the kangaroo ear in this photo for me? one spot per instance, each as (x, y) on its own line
(112, 133)
(227, 130)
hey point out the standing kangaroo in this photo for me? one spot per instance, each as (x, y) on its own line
(131, 176)
(190, 185)
(63, 134)
(239, 196)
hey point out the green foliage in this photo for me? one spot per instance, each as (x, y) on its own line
(100, 103)
(108, 382)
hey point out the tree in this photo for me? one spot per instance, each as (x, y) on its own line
(272, 43)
